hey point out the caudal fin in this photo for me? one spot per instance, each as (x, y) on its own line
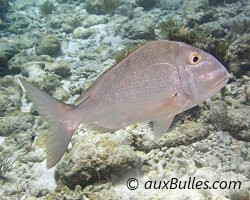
(62, 121)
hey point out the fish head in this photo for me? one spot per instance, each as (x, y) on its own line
(205, 74)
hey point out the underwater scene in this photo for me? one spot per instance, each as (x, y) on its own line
(125, 99)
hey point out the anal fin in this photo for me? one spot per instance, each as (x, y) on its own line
(161, 125)
(98, 128)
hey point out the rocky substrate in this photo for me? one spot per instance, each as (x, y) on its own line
(64, 50)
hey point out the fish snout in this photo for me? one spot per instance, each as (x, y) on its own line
(220, 77)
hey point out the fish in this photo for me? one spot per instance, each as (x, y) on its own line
(154, 83)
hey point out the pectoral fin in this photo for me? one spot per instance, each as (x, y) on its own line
(160, 126)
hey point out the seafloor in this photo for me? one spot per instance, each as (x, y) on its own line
(62, 46)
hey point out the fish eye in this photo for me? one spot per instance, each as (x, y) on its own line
(194, 57)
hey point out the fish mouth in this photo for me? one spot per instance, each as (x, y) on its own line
(220, 83)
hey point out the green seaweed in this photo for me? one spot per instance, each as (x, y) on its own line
(218, 47)
(172, 30)
(146, 4)
(129, 48)
(47, 8)
(102, 6)
(4, 7)
(109, 6)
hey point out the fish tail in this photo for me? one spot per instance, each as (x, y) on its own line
(61, 118)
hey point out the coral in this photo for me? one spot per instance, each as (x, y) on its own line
(102, 6)
(47, 8)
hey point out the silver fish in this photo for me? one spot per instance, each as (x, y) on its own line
(154, 83)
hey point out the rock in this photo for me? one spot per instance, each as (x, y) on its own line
(15, 123)
(50, 83)
(217, 114)
(101, 7)
(185, 134)
(7, 50)
(247, 91)
(146, 4)
(242, 195)
(137, 29)
(168, 4)
(212, 28)
(10, 96)
(238, 123)
(66, 24)
(238, 55)
(95, 157)
(17, 62)
(60, 94)
(235, 92)
(48, 45)
(220, 2)
(34, 70)
(4, 7)
(21, 25)
(83, 33)
(238, 24)
(93, 20)
(60, 68)
(125, 10)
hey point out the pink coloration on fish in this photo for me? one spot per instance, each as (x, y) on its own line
(154, 83)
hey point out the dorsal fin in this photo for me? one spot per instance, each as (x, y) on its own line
(81, 99)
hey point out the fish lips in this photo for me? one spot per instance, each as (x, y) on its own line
(220, 83)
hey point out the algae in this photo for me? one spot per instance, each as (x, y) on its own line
(129, 48)
(47, 8)
(102, 6)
